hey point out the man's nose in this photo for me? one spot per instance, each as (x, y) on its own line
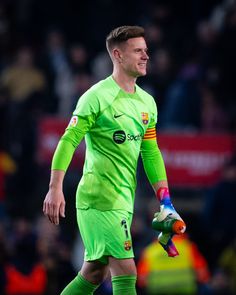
(145, 55)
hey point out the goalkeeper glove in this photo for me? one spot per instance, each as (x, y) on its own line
(167, 212)
(166, 207)
(165, 239)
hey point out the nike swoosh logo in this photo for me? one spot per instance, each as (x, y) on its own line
(117, 116)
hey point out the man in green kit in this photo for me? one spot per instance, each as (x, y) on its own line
(118, 121)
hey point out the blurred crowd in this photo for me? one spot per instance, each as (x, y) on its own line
(50, 54)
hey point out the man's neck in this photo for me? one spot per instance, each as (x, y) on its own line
(125, 82)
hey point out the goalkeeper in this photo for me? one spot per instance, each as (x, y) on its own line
(117, 119)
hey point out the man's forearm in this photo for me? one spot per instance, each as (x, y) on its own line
(63, 155)
(153, 162)
(160, 184)
(56, 180)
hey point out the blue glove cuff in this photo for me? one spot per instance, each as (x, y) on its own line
(166, 202)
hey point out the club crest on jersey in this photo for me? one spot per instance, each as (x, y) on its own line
(145, 118)
(127, 245)
(73, 121)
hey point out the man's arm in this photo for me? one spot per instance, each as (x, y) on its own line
(54, 202)
(83, 119)
(153, 161)
(155, 170)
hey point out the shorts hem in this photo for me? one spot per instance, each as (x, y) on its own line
(100, 258)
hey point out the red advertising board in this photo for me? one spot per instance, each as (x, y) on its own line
(192, 160)
(195, 159)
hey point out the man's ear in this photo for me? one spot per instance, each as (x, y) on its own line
(117, 55)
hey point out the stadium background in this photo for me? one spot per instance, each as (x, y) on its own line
(50, 53)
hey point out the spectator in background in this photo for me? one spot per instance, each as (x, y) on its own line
(47, 245)
(79, 59)
(68, 71)
(81, 83)
(101, 66)
(54, 250)
(218, 227)
(55, 64)
(154, 36)
(79, 80)
(224, 278)
(213, 116)
(207, 38)
(182, 105)
(226, 48)
(186, 274)
(23, 78)
(161, 74)
(224, 275)
(25, 84)
(25, 274)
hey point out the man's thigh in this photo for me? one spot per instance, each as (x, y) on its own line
(105, 234)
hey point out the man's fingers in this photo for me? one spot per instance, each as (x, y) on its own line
(46, 210)
(51, 211)
(55, 214)
(62, 209)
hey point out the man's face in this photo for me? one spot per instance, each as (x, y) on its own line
(134, 57)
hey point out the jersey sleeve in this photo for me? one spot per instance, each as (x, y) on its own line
(88, 104)
(81, 122)
(151, 155)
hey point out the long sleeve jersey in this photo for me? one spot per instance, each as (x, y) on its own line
(117, 126)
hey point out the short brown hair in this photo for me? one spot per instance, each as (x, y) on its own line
(122, 34)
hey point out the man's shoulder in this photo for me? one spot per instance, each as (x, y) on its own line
(103, 91)
(144, 94)
(105, 85)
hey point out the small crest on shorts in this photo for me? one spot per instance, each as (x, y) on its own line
(145, 118)
(73, 121)
(128, 245)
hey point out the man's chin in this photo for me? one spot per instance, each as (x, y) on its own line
(141, 73)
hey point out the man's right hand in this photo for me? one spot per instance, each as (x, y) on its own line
(167, 210)
(54, 205)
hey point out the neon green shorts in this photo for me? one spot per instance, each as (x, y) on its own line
(105, 233)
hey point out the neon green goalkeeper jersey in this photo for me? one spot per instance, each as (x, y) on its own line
(115, 125)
